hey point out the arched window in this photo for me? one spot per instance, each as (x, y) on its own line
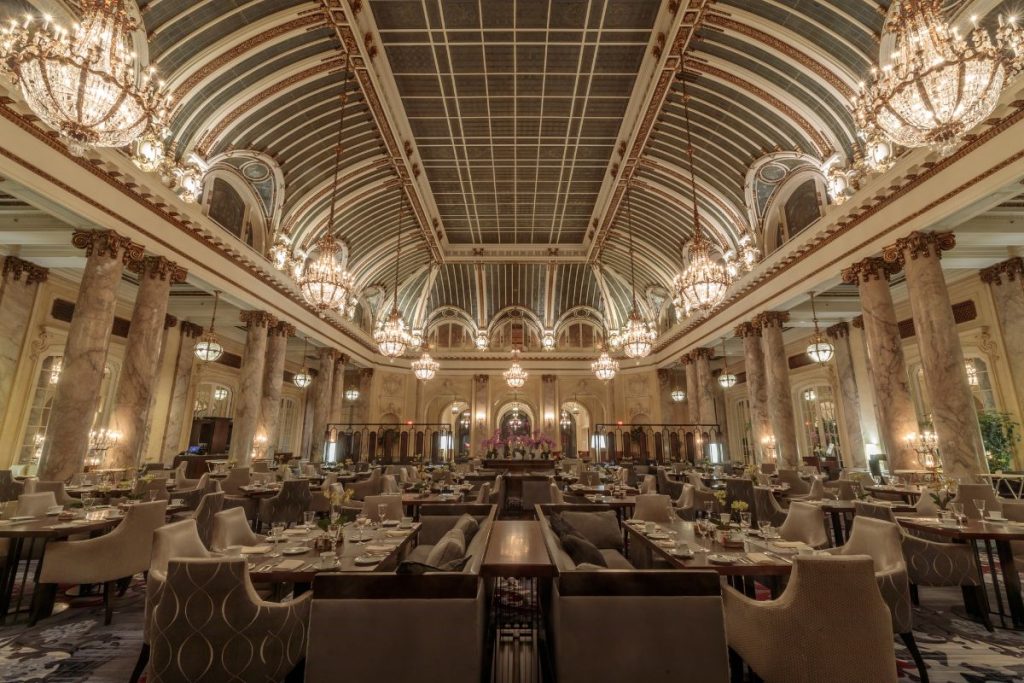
(232, 202)
(579, 334)
(820, 422)
(785, 193)
(450, 334)
(286, 425)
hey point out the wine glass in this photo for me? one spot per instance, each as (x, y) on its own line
(87, 502)
(382, 513)
(276, 536)
(360, 523)
(709, 507)
(745, 521)
(958, 513)
(308, 519)
(980, 504)
(724, 519)
(764, 525)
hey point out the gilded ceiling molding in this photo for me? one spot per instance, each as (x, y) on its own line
(159, 267)
(107, 243)
(918, 244)
(16, 268)
(281, 329)
(1012, 269)
(702, 353)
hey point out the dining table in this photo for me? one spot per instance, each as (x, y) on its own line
(413, 502)
(908, 494)
(841, 512)
(983, 536)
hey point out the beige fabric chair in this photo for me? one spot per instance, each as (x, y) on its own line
(57, 487)
(484, 494)
(210, 505)
(210, 625)
(968, 493)
(697, 481)
(35, 504)
(236, 479)
(767, 507)
(849, 490)
(181, 481)
(557, 497)
(261, 466)
(367, 487)
(389, 486)
(123, 552)
(703, 499)
(9, 488)
(672, 489)
(805, 522)
(797, 486)
(653, 507)
(816, 491)
(143, 488)
(287, 506)
(881, 541)
(649, 484)
(230, 527)
(590, 478)
(768, 468)
(793, 639)
(372, 510)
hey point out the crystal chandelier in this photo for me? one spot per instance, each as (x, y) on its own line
(481, 340)
(393, 337)
(515, 376)
(325, 282)
(810, 395)
(302, 378)
(351, 395)
(86, 84)
(937, 85)
(605, 367)
(56, 367)
(819, 350)
(547, 340)
(678, 395)
(703, 283)
(208, 347)
(637, 335)
(425, 367)
(726, 379)
(220, 393)
(565, 422)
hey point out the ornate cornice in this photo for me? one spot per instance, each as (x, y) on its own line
(328, 355)
(189, 329)
(918, 244)
(107, 243)
(750, 329)
(343, 360)
(1012, 269)
(858, 322)
(664, 376)
(158, 267)
(257, 319)
(16, 268)
(838, 331)
(771, 319)
(871, 268)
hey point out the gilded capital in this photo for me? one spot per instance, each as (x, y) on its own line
(871, 268)
(702, 353)
(158, 267)
(686, 359)
(481, 379)
(664, 376)
(170, 321)
(191, 329)
(838, 331)
(858, 322)
(771, 319)
(282, 329)
(1010, 270)
(548, 379)
(748, 330)
(107, 243)
(366, 373)
(257, 319)
(18, 268)
(917, 245)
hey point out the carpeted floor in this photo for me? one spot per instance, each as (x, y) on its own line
(74, 645)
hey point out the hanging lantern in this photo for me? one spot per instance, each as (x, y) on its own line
(392, 337)
(425, 367)
(819, 350)
(208, 347)
(727, 380)
(302, 378)
(565, 422)
(678, 395)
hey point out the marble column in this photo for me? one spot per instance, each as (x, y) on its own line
(273, 380)
(1006, 283)
(705, 385)
(250, 384)
(549, 407)
(692, 389)
(338, 390)
(18, 288)
(895, 407)
(757, 388)
(953, 411)
(479, 402)
(141, 358)
(179, 408)
(779, 390)
(849, 396)
(78, 392)
(308, 404)
(362, 412)
(323, 387)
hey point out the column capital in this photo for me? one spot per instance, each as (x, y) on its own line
(16, 267)
(858, 322)
(328, 354)
(838, 331)
(686, 359)
(481, 379)
(282, 329)
(158, 267)
(771, 319)
(748, 330)
(918, 244)
(257, 319)
(191, 329)
(107, 243)
(548, 379)
(1011, 269)
(366, 373)
(170, 321)
(866, 270)
(664, 375)
(343, 359)
(701, 353)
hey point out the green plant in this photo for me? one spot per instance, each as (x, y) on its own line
(1000, 434)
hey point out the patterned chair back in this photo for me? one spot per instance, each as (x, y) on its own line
(211, 625)
(211, 504)
(230, 527)
(288, 505)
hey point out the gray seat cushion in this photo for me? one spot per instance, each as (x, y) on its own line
(615, 560)
(600, 528)
(468, 525)
(582, 551)
(420, 553)
(452, 546)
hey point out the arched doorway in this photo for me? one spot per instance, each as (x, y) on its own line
(574, 429)
(515, 418)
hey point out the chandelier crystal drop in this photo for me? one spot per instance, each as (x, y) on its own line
(85, 83)
(637, 336)
(208, 347)
(937, 85)
(678, 395)
(819, 350)
(515, 376)
(425, 367)
(605, 367)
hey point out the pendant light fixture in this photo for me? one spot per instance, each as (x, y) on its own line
(425, 367)
(392, 337)
(208, 348)
(605, 367)
(819, 350)
(637, 335)
(515, 376)
(704, 282)
(302, 378)
(726, 379)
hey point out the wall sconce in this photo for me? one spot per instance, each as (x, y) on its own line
(926, 445)
(770, 447)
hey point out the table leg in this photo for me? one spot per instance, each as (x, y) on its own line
(837, 528)
(1012, 581)
(9, 576)
(995, 583)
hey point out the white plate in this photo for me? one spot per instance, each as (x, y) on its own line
(391, 522)
(378, 549)
(366, 560)
(683, 554)
(657, 536)
(22, 518)
(721, 559)
(321, 567)
(295, 550)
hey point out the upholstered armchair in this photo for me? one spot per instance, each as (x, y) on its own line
(697, 481)
(649, 484)
(590, 478)
(37, 486)
(122, 553)
(9, 488)
(815, 491)
(703, 499)
(968, 493)
(555, 493)
(388, 485)
(157, 487)
(484, 494)
(371, 506)
(654, 507)
(181, 481)
(767, 507)
(209, 505)
(211, 625)
(191, 498)
(230, 527)
(499, 494)
(805, 522)
(672, 489)
(288, 505)
(740, 488)
(367, 487)
(793, 639)
(797, 486)
(881, 541)
(35, 504)
(236, 479)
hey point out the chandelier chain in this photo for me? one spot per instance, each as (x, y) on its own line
(337, 153)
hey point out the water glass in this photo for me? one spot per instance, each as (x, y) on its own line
(276, 537)
(958, 513)
(744, 520)
(765, 526)
(382, 513)
(87, 502)
(709, 507)
(724, 518)
(334, 532)
(980, 504)
(309, 519)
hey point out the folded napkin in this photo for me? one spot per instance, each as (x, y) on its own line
(296, 532)
(288, 565)
(790, 544)
(926, 505)
(760, 558)
(255, 549)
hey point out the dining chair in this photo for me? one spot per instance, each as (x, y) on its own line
(143, 489)
(654, 507)
(767, 506)
(288, 505)
(649, 484)
(741, 489)
(806, 523)
(590, 478)
(672, 489)
(484, 494)
(10, 489)
(388, 485)
(209, 505)
(498, 496)
(849, 490)
(180, 480)
(557, 497)
(260, 466)
(366, 487)
(123, 552)
(704, 498)
(828, 600)
(236, 479)
(230, 527)
(966, 494)
(59, 492)
(211, 625)
(880, 540)
(697, 480)
(35, 504)
(392, 501)
(797, 486)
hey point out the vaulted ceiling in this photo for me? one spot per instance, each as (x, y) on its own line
(513, 126)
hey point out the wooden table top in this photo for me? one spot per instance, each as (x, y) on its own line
(516, 548)
(612, 501)
(993, 531)
(849, 505)
(584, 490)
(780, 566)
(897, 490)
(421, 499)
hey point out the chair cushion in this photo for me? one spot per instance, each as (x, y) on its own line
(452, 546)
(600, 528)
(468, 525)
(419, 553)
(587, 567)
(411, 568)
(582, 551)
(615, 560)
(559, 525)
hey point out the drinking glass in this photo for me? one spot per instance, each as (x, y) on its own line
(382, 513)
(276, 536)
(765, 526)
(334, 532)
(152, 495)
(958, 513)
(709, 507)
(309, 519)
(980, 504)
(744, 520)
(87, 502)
(724, 518)
(360, 523)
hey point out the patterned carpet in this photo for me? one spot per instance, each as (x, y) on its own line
(75, 646)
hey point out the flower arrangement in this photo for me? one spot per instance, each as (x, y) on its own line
(739, 506)
(720, 497)
(518, 443)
